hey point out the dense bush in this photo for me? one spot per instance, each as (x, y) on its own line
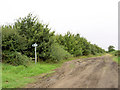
(35, 32)
(15, 58)
(17, 42)
(58, 53)
(115, 53)
(12, 45)
(77, 45)
(12, 41)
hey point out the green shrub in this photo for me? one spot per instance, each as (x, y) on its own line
(115, 53)
(35, 32)
(12, 41)
(15, 58)
(58, 53)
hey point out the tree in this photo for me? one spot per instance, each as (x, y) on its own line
(111, 48)
(18, 39)
(35, 32)
(78, 46)
(13, 46)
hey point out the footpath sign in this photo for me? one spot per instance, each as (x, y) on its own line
(35, 45)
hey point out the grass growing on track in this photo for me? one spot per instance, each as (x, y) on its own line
(19, 76)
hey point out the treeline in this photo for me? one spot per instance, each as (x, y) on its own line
(17, 42)
(78, 46)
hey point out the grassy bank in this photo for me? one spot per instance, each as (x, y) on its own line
(116, 59)
(116, 56)
(19, 76)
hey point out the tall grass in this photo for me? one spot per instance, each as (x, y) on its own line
(116, 56)
(18, 76)
(116, 59)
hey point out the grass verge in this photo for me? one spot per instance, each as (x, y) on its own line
(19, 76)
(116, 59)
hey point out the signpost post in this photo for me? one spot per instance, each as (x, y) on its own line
(35, 45)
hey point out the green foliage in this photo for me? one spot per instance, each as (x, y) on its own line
(111, 48)
(15, 58)
(116, 59)
(71, 43)
(13, 45)
(19, 76)
(77, 45)
(35, 32)
(17, 42)
(12, 41)
(58, 53)
(116, 56)
(115, 53)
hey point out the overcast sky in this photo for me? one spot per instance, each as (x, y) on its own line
(96, 20)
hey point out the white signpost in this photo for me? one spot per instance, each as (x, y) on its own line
(35, 45)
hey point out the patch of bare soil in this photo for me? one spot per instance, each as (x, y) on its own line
(98, 72)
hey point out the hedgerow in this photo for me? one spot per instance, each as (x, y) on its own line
(17, 42)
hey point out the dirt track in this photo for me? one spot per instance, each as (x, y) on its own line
(98, 72)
